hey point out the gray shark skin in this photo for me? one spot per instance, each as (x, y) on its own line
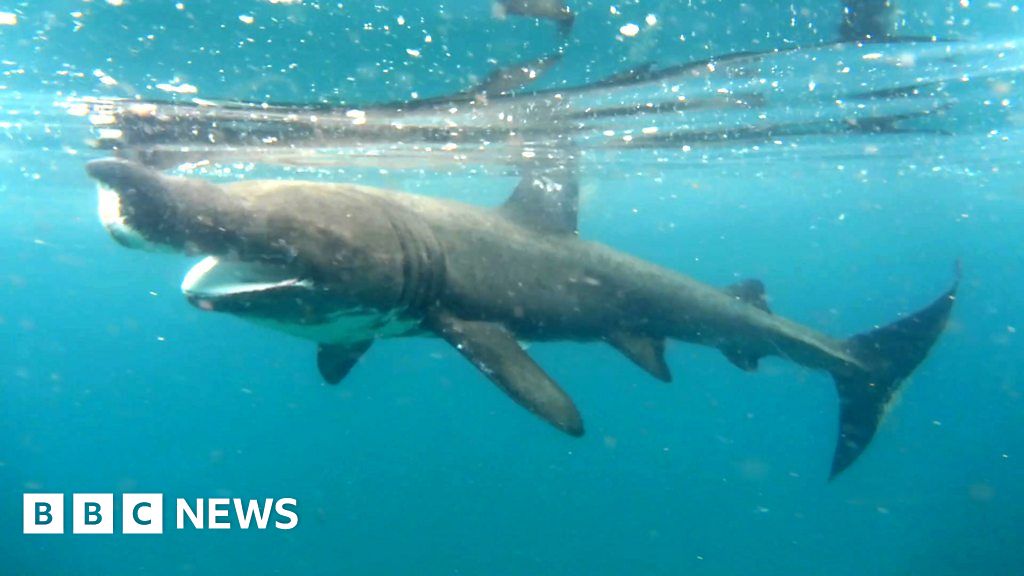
(343, 265)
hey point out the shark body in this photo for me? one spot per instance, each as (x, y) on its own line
(344, 265)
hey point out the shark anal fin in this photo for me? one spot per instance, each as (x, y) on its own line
(745, 362)
(495, 352)
(749, 291)
(335, 361)
(645, 351)
(547, 197)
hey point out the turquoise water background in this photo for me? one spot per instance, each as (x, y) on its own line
(110, 382)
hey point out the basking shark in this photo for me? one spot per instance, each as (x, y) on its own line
(344, 265)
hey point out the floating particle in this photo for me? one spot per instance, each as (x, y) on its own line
(79, 109)
(177, 88)
(102, 119)
(105, 79)
(629, 30)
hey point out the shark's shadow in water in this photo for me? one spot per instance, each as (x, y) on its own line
(344, 265)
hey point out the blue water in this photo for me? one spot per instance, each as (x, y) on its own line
(111, 383)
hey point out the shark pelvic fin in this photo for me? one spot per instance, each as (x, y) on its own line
(547, 197)
(750, 291)
(890, 354)
(645, 351)
(335, 361)
(495, 352)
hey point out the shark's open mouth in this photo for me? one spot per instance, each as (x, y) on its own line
(274, 296)
(255, 291)
(213, 278)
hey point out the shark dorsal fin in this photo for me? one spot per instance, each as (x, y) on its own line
(546, 199)
(645, 351)
(750, 291)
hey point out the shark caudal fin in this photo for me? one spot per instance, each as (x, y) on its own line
(890, 354)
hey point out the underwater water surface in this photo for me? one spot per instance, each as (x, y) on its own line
(110, 382)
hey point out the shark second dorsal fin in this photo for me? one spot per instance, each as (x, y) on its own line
(335, 361)
(750, 291)
(495, 352)
(547, 197)
(645, 351)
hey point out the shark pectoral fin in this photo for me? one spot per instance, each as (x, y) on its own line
(336, 360)
(547, 197)
(645, 351)
(495, 352)
(749, 291)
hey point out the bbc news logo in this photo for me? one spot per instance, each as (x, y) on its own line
(144, 513)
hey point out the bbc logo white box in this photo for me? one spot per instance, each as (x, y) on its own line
(142, 513)
(43, 513)
(92, 514)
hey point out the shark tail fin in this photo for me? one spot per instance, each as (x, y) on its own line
(888, 355)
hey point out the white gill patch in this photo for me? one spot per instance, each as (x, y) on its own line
(109, 211)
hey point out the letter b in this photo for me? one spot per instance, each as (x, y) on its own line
(93, 514)
(43, 514)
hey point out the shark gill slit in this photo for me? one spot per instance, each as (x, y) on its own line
(422, 264)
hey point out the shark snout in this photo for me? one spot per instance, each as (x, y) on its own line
(126, 193)
(121, 174)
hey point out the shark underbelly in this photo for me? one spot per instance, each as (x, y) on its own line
(343, 328)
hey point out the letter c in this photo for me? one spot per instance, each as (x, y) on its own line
(137, 518)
